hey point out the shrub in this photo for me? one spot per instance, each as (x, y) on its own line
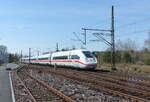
(127, 57)
(147, 62)
(118, 56)
(107, 57)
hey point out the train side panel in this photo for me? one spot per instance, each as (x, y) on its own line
(76, 58)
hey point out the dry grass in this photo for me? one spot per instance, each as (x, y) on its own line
(128, 67)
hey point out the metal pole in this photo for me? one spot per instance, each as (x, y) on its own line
(21, 56)
(85, 36)
(38, 53)
(56, 46)
(29, 55)
(113, 40)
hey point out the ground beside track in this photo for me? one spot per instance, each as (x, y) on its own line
(5, 89)
(76, 91)
(70, 89)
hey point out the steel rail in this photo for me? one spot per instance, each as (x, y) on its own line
(118, 81)
(115, 78)
(113, 85)
(100, 88)
(111, 79)
(126, 79)
(26, 88)
(82, 79)
(144, 100)
(58, 93)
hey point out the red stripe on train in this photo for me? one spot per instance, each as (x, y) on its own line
(63, 61)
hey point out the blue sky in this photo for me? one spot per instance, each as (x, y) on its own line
(40, 24)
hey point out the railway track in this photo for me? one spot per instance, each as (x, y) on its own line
(40, 91)
(115, 87)
(111, 78)
(108, 87)
(132, 76)
(126, 79)
(22, 94)
(77, 92)
(116, 80)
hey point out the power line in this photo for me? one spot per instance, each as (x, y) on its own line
(78, 39)
(95, 29)
(133, 23)
(101, 38)
(135, 32)
(100, 22)
(110, 43)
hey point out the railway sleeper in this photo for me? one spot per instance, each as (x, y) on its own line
(79, 79)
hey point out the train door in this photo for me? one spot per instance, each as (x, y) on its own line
(74, 60)
(50, 58)
(70, 61)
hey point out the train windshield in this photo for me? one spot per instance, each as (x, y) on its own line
(88, 54)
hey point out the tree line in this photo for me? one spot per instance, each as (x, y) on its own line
(128, 52)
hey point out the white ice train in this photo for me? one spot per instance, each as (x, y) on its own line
(75, 58)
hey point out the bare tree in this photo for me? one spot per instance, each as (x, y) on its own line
(3, 53)
(127, 45)
(119, 45)
(147, 42)
(3, 49)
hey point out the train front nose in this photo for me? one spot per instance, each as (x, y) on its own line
(91, 63)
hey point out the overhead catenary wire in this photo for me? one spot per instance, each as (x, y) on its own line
(78, 39)
(98, 23)
(111, 31)
(133, 33)
(100, 38)
(133, 23)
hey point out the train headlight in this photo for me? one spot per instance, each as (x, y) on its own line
(94, 59)
(87, 60)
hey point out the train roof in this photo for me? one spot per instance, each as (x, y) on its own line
(74, 50)
(45, 55)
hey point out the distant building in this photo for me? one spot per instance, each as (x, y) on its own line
(4, 56)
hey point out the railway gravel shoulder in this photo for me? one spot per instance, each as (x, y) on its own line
(76, 91)
(20, 91)
(134, 93)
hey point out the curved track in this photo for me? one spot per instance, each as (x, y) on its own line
(105, 83)
(40, 91)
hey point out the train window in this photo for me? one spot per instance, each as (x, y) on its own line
(33, 59)
(60, 57)
(43, 58)
(88, 54)
(75, 57)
